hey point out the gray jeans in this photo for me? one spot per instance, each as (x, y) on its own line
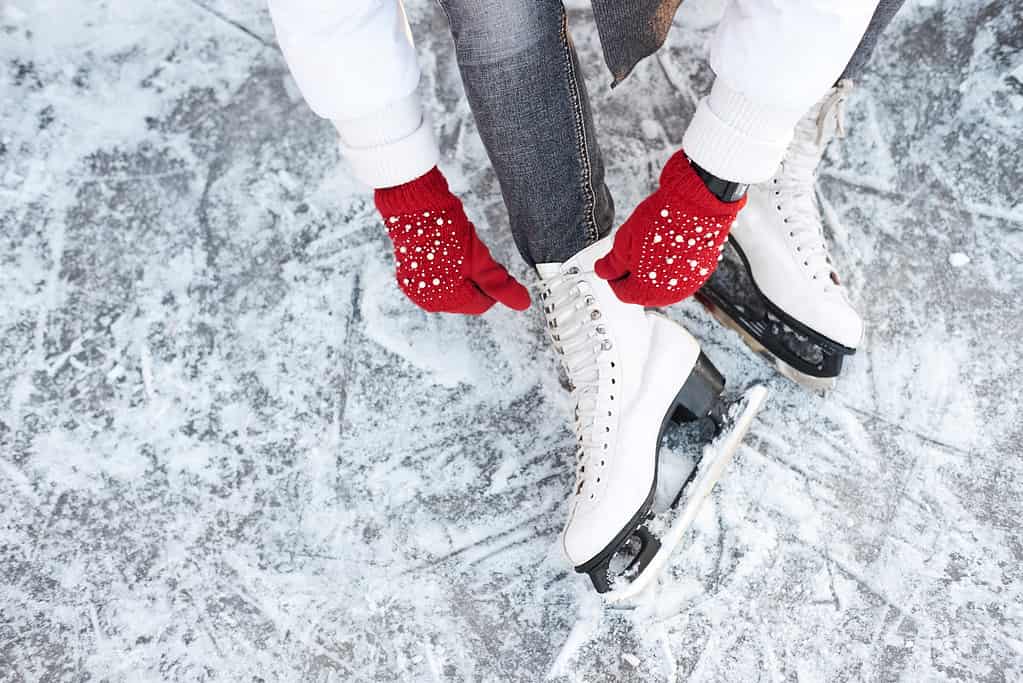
(521, 77)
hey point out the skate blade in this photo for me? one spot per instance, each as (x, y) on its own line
(810, 382)
(716, 457)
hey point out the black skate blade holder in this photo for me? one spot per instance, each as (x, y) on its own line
(700, 397)
(648, 547)
(766, 328)
(698, 400)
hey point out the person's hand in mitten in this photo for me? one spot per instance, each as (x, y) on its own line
(672, 242)
(441, 264)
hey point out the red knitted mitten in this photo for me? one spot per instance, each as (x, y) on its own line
(672, 242)
(442, 266)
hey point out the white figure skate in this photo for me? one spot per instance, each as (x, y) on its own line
(777, 285)
(631, 371)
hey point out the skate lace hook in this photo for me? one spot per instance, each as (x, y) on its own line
(574, 324)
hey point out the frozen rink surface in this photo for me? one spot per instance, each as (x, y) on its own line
(231, 450)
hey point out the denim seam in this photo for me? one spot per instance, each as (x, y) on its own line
(580, 129)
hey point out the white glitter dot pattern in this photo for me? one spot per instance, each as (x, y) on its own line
(433, 278)
(682, 250)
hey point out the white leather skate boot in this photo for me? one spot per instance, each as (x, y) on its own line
(630, 370)
(789, 302)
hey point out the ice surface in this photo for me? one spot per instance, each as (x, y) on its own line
(230, 449)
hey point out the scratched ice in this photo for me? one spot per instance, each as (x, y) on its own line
(230, 449)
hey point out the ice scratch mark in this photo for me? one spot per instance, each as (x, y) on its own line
(590, 616)
(238, 25)
(525, 539)
(1010, 215)
(347, 357)
(59, 360)
(23, 385)
(146, 368)
(97, 631)
(678, 82)
(864, 183)
(431, 662)
(204, 623)
(526, 524)
(903, 428)
(668, 664)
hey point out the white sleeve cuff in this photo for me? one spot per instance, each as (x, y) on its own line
(392, 147)
(736, 138)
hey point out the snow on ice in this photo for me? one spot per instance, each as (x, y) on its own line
(230, 449)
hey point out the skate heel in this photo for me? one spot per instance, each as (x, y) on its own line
(699, 396)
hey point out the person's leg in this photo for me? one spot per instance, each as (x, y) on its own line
(524, 86)
(883, 15)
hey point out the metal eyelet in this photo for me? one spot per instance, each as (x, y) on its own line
(594, 314)
(572, 271)
(606, 345)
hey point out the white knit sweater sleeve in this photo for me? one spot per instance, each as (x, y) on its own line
(355, 64)
(773, 60)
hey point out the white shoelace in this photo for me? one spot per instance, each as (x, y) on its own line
(795, 185)
(575, 328)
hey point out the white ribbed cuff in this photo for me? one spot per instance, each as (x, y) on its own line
(390, 148)
(736, 138)
(398, 120)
